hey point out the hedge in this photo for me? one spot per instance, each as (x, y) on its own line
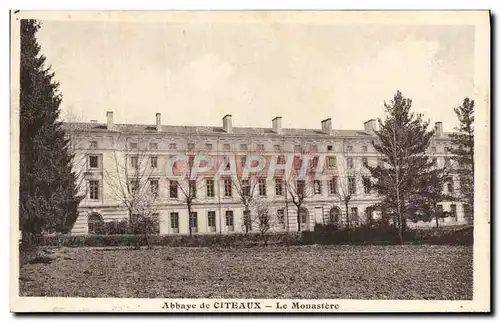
(197, 240)
(388, 235)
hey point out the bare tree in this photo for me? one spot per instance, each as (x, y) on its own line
(350, 172)
(245, 190)
(131, 183)
(264, 218)
(189, 185)
(299, 185)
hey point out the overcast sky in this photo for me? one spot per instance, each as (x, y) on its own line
(196, 73)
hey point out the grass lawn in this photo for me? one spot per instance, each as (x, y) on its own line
(312, 272)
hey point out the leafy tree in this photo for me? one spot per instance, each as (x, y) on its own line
(430, 194)
(402, 142)
(47, 192)
(463, 150)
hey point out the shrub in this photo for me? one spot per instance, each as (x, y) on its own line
(198, 240)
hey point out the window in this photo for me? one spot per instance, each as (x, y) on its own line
(350, 163)
(332, 162)
(279, 187)
(333, 185)
(301, 187)
(243, 147)
(133, 145)
(262, 187)
(211, 219)
(173, 189)
(134, 186)
(355, 216)
(192, 188)
(453, 211)
(314, 148)
(440, 213)
(298, 163)
(281, 159)
(133, 162)
(367, 184)
(94, 222)
(208, 146)
(93, 161)
(280, 215)
(314, 161)
(245, 187)
(351, 182)
(210, 188)
(435, 161)
(243, 160)
(174, 220)
(172, 146)
(365, 148)
(449, 186)
(303, 216)
(447, 162)
(247, 220)
(297, 148)
(154, 187)
(317, 187)
(260, 147)
(277, 148)
(153, 146)
(190, 146)
(227, 162)
(154, 162)
(93, 145)
(365, 162)
(193, 220)
(433, 149)
(226, 147)
(228, 188)
(229, 219)
(349, 148)
(94, 189)
(329, 148)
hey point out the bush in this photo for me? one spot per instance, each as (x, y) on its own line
(201, 240)
(383, 234)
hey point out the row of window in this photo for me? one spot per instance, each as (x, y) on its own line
(242, 147)
(244, 187)
(153, 161)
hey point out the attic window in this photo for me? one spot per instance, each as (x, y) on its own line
(133, 145)
(93, 145)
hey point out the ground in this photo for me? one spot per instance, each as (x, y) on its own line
(335, 272)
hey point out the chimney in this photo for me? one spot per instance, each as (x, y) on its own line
(326, 126)
(277, 124)
(227, 123)
(439, 129)
(370, 125)
(158, 122)
(109, 116)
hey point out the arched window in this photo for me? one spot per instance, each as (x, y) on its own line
(334, 216)
(94, 221)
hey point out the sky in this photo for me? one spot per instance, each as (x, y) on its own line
(195, 73)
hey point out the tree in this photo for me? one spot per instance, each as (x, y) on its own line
(462, 151)
(430, 194)
(47, 192)
(264, 218)
(347, 184)
(189, 186)
(132, 184)
(300, 186)
(402, 142)
(245, 189)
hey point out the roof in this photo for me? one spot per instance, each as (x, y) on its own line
(209, 130)
(213, 130)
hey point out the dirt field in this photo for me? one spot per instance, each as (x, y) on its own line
(342, 272)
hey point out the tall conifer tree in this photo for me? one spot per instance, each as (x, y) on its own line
(48, 195)
(402, 141)
(462, 150)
